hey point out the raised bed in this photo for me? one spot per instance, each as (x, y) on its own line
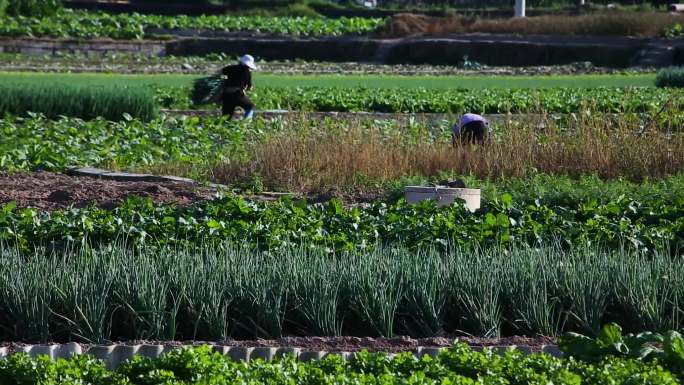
(494, 50)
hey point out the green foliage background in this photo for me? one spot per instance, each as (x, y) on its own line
(34, 8)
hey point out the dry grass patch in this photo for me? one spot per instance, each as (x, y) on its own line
(647, 24)
(348, 159)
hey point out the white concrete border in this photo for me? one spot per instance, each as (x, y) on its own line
(114, 355)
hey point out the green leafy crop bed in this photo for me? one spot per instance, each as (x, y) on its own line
(40, 143)
(645, 225)
(289, 75)
(458, 100)
(667, 347)
(532, 215)
(458, 366)
(403, 94)
(81, 24)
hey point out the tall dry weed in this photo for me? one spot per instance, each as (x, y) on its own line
(321, 159)
(598, 24)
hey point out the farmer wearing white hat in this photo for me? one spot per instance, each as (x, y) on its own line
(471, 128)
(238, 82)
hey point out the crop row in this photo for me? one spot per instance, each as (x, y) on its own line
(304, 155)
(82, 24)
(112, 102)
(39, 143)
(644, 225)
(486, 100)
(213, 293)
(108, 102)
(458, 366)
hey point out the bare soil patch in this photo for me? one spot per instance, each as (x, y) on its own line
(51, 191)
(396, 344)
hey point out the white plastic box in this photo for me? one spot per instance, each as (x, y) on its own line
(443, 195)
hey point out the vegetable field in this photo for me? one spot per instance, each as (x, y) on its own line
(271, 80)
(282, 153)
(110, 102)
(645, 226)
(458, 365)
(214, 293)
(459, 100)
(80, 24)
(423, 94)
(296, 225)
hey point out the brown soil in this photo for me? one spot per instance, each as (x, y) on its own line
(346, 344)
(397, 344)
(50, 191)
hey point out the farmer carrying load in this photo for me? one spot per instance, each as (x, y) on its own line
(471, 129)
(237, 81)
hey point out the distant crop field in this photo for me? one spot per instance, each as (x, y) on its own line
(372, 81)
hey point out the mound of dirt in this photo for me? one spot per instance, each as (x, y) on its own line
(51, 191)
(405, 24)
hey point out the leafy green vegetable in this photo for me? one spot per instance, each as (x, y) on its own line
(642, 225)
(83, 24)
(667, 348)
(487, 100)
(458, 366)
(39, 143)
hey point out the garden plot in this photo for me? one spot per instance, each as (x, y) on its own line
(82, 24)
(371, 81)
(312, 156)
(581, 224)
(389, 94)
(458, 365)
(219, 291)
(200, 65)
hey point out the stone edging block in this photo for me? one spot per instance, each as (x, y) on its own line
(130, 177)
(115, 355)
(264, 353)
(239, 353)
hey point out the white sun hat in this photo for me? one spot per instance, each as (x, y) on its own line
(248, 60)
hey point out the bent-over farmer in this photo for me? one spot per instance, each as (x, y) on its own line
(471, 129)
(238, 80)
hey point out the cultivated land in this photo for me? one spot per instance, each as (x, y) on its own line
(126, 63)
(372, 81)
(581, 222)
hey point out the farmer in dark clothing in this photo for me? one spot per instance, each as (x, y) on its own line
(238, 81)
(471, 129)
